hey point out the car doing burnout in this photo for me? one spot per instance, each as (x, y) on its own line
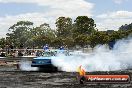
(45, 60)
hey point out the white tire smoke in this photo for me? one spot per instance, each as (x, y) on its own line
(25, 65)
(101, 59)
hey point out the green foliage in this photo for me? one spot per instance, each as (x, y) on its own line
(82, 32)
(57, 42)
(2, 42)
(98, 37)
(23, 33)
(81, 40)
(69, 42)
(64, 26)
(39, 41)
(43, 35)
(84, 25)
(20, 33)
(21, 24)
(126, 27)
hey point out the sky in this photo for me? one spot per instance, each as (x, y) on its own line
(108, 14)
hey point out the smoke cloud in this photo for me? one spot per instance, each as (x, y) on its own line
(100, 59)
(25, 65)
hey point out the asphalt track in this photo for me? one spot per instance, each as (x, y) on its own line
(11, 77)
(32, 79)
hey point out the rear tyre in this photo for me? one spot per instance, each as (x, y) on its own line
(82, 80)
(50, 69)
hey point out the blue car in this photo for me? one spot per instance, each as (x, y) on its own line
(44, 61)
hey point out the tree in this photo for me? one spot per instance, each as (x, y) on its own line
(98, 37)
(39, 41)
(64, 26)
(2, 42)
(84, 25)
(68, 42)
(82, 29)
(81, 40)
(20, 33)
(126, 27)
(22, 24)
(43, 35)
(57, 42)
